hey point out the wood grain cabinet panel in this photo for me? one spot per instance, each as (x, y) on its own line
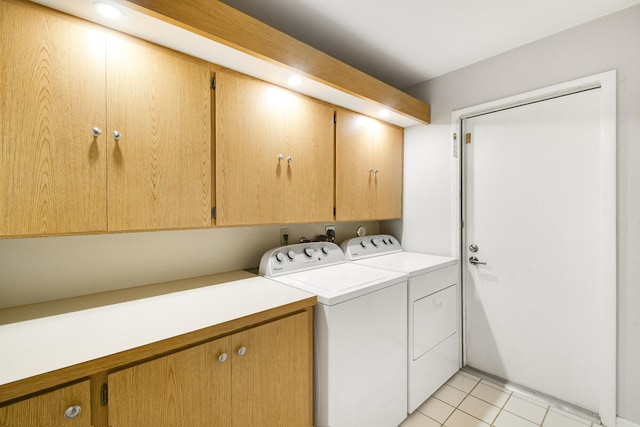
(160, 169)
(184, 389)
(263, 379)
(369, 158)
(52, 93)
(274, 154)
(49, 409)
(61, 78)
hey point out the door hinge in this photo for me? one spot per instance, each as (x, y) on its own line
(213, 213)
(335, 119)
(467, 138)
(334, 211)
(104, 394)
(213, 83)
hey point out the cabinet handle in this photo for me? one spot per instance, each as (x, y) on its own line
(242, 351)
(116, 135)
(376, 170)
(222, 358)
(280, 157)
(96, 132)
(72, 412)
(290, 159)
(370, 170)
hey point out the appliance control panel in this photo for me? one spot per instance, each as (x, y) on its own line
(300, 257)
(368, 246)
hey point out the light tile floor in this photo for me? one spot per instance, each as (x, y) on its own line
(468, 401)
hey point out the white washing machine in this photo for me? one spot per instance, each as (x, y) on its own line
(360, 334)
(433, 310)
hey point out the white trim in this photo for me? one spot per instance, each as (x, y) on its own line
(608, 280)
(621, 422)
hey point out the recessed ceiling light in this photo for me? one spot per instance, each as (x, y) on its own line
(107, 10)
(295, 81)
(383, 113)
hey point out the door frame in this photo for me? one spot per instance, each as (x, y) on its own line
(606, 82)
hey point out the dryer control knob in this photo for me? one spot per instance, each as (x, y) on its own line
(374, 242)
(363, 244)
(325, 250)
(291, 255)
(279, 256)
(308, 252)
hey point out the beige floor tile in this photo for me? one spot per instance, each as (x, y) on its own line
(531, 398)
(468, 375)
(461, 419)
(418, 419)
(491, 395)
(436, 409)
(507, 419)
(462, 382)
(525, 409)
(554, 419)
(479, 409)
(570, 415)
(450, 395)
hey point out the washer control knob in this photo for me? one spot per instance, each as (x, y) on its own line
(391, 242)
(325, 250)
(308, 252)
(291, 255)
(363, 244)
(375, 242)
(279, 256)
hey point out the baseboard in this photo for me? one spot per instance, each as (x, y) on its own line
(621, 422)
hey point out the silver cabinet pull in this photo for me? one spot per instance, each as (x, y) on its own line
(96, 132)
(290, 159)
(223, 357)
(242, 351)
(72, 412)
(474, 260)
(280, 157)
(116, 135)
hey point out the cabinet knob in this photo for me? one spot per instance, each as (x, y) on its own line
(376, 170)
(72, 412)
(223, 357)
(290, 159)
(96, 132)
(116, 135)
(371, 170)
(280, 157)
(242, 351)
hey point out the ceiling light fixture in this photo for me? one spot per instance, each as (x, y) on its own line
(383, 113)
(107, 10)
(295, 81)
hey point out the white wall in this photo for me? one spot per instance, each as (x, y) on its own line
(609, 43)
(44, 269)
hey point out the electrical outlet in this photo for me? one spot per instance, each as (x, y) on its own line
(329, 227)
(284, 236)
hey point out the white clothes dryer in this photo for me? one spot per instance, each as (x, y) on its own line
(433, 307)
(360, 333)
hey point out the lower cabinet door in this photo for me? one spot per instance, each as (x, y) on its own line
(67, 406)
(184, 389)
(272, 374)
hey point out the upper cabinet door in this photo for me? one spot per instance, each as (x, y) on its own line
(52, 169)
(160, 159)
(369, 157)
(274, 154)
(310, 178)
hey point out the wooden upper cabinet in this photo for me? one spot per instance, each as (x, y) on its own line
(160, 169)
(274, 154)
(66, 86)
(369, 158)
(68, 406)
(184, 389)
(52, 93)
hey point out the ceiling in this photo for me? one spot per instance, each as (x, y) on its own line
(406, 42)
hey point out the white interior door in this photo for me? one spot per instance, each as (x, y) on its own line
(532, 185)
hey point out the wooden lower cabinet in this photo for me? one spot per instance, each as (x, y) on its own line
(68, 406)
(260, 377)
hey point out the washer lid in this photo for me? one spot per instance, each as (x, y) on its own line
(341, 282)
(411, 263)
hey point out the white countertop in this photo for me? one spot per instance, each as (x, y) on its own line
(44, 344)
